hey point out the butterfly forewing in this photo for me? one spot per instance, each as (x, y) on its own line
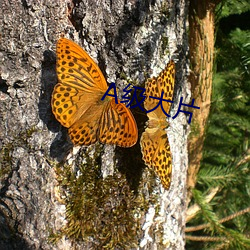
(76, 69)
(155, 86)
(63, 105)
(167, 77)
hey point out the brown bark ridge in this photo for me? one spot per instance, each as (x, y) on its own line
(201, 41)
(54, 195)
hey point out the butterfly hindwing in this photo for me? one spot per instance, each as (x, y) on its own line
(118, 126)
(156, 154)
(85, 130)
(83, 134)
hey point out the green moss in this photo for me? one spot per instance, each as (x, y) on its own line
(123, 76)
(164, 45)
(105, 212)
(28, 133)
(19, 140)
(5, 161)
(195, 129)
(164, 10)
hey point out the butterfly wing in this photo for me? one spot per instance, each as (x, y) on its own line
(85, 130)
(76, 68)
(69, 104)
(154, 141)
(80, 85)
(156, 154)
(77, 105)
(117, 125)
(156, 85)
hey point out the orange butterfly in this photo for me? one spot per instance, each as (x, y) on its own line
(77, 105)
(154, 141)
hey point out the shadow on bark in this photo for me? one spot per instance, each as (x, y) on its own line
(9, 239)
(61, 145)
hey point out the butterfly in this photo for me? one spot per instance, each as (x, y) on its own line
(154, 141)
(77, 105)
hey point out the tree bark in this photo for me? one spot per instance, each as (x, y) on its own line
(41, 171)
(201, 41)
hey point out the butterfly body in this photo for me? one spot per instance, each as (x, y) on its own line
(77, 104)
(156, 122)
(154, 141)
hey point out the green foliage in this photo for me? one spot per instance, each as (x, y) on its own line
(226, 156)
(207, 211)
(230, 7)
(218, 176)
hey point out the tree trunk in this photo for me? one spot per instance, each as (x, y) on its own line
(201, 40)
(54, 196)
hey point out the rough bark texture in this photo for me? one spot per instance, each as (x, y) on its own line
(201, 40)
(123, 36)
